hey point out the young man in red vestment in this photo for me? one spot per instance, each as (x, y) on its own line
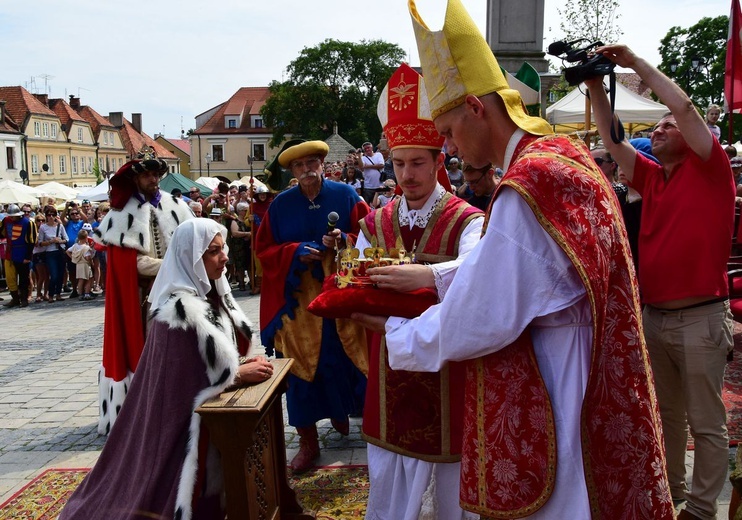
(413, 421)
(560, 419)
(687, 322)
(137, 232)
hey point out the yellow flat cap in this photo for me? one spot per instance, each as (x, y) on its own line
(302, 150)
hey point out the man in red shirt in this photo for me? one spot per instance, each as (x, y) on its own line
(686, 230)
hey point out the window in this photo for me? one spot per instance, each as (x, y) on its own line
(54, 130)
(105, 138)
(258, 122)
(217, 152)
(90, 165)
(45, 132)
(49, 164)
(62, 164)
(10, 157)
(121, 162)
(231, 123)
(79, 135)
(34, 164)
(36, 129)
(258, 152)
(74, 164)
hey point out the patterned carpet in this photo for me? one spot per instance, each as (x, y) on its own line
(338, 493)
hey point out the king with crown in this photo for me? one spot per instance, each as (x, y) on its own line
(413, 421)
(560, 414)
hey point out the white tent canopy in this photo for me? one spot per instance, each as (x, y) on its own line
(58, 190)
(209, 182)
(632, 108)
(15, 192)
(97, 193)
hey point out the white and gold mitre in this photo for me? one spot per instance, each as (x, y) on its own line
(457, 61)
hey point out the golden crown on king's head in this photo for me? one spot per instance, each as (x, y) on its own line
(457, 62)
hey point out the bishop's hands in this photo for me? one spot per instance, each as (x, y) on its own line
(402, 278)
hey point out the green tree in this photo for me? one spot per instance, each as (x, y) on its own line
(590, 19)
(704, 43)
(331, 82)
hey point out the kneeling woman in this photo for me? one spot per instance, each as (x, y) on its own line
(158, 462)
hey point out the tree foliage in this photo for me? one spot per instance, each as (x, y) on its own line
(332, 82)
(706, 40)
(590, 20)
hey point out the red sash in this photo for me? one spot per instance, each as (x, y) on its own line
(417, 414)
(509, 459)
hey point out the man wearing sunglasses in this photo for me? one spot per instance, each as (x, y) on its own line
(682, 276)
(137, 232)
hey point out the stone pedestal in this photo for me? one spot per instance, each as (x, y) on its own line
(515, 33)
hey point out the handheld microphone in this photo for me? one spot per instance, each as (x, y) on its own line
(561, 47)
(332, 220)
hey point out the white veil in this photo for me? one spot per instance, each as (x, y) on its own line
(183, 268)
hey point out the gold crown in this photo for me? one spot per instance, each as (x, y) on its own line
(351, 270)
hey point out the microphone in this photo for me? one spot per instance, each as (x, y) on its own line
(332, 220)
(562, 47)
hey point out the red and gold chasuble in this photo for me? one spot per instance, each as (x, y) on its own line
(417, 414)
(509, 453)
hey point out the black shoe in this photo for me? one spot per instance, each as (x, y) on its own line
(66, 289)
(74, 294)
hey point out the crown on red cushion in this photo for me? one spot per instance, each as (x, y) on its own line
(351, 269)
(404, 112)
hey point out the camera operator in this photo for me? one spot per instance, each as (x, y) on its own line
(684, 287)
(219, 198)
(385, 194)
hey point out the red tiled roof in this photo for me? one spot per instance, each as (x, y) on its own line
(21, 103)
(65, 112)
(182, 144)
(135, 141)
(96, 120)
(9, 126)
(634, 83)
(245, 102)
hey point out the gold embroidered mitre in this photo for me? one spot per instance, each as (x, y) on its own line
(457, 62)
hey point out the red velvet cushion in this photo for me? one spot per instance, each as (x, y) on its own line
(341, 303)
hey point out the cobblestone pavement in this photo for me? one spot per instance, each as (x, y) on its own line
(49, 359)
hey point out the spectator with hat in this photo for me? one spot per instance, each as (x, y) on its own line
(137, 232)
(20, 233)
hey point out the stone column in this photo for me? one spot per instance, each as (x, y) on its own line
(515, 33)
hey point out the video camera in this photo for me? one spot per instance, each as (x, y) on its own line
(587, 66)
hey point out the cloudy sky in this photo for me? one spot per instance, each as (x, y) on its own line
(171, 60)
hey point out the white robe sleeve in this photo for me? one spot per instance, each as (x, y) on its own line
(515, 274)
(445, 271)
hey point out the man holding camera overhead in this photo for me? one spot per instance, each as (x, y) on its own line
(682, 275)
(560, 419)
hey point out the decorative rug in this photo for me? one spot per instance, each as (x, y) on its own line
(44, 497)
(333, 493)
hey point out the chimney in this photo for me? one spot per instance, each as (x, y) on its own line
(74, 102)
(44, 98)
(136, 122)
(116, 119)
(2, 112)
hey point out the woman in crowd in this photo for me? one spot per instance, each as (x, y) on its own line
(39, 265)
(713, 113)
(53, 239)
(157, 462)
(239, 244)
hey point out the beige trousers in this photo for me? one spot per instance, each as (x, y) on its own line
(688, 350)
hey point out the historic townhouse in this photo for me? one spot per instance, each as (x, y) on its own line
(11, 146)
(82, 146)
(134, 140)
(230, 139)
(111, 153)
(181, 148)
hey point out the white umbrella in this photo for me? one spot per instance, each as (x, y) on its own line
(14, 192)
(58, 190)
